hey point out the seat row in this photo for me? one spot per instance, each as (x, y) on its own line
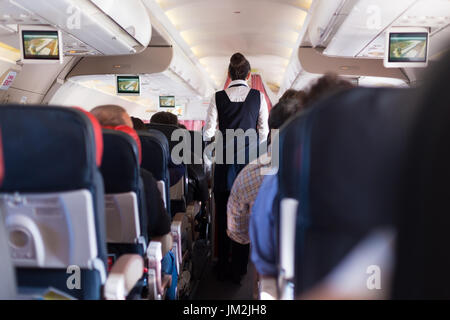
(75, 203)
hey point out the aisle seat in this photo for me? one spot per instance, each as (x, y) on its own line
(126, 206)
(155, 158)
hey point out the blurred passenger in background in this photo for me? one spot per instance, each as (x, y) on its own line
(138, 124)
(245, 190)
(262, 219)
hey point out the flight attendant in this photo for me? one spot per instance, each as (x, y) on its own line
(237, 107)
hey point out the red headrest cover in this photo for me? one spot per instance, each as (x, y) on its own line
(97, 134)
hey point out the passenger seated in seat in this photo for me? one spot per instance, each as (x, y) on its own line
(176, 171)
(262, 219)
(138, 124)
(110, 115)
(114, 117)
(294, 94)
(164, 118)
(245, 190)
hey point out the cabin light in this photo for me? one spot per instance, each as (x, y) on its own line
(347, 68)
(171, 16)
(305, 4)
(186, 37)
(289, 52)
(196, 51)
(9, 53)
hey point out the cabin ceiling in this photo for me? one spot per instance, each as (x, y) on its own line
(265, 31)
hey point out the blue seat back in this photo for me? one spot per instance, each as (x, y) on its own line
(52, 197)
(155, 158)
(121, 175)
(341, 160)
(422, 256)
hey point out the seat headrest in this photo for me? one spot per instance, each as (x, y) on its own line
(97, 134)
(162, 127)
(49, 149)
(156, 154)
(120, 165)
(167, 130)
(133, 134)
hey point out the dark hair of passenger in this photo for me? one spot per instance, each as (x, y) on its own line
(182, 126)
(326, 85)
(282, 111)
(239, 67)
(138, 124)
(111, 115)
(164, 118)
(294, 94)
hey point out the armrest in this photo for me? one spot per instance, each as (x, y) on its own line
(124, 275)
(176, 229)
(193, 209)
(166, 243)
(154, 256)
(268, 289)
(156, 282)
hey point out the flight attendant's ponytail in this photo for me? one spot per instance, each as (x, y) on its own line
(239, 67)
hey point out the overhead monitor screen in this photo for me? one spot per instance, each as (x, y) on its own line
(167, 102)
(41, 45)
(408, 47)
(128, 85)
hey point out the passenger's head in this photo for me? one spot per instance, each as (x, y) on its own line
(328, 84)
(138, 124)
(294, 94)
(164, 118)
(239, 68)
(182, 126)
(282, 111)
(112, 116)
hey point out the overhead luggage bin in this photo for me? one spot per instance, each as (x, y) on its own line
(88, 27)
